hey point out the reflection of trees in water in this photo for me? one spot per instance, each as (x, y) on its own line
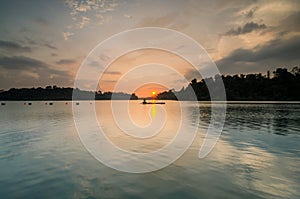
(281, 119)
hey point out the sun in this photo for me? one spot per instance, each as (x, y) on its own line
(153, 92)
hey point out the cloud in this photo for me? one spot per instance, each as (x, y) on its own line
(13, 46)
(291, 23)
(112, 73)
(43, 22)
(30, 41)
(222, 5)
(82, 12)
(20, 71)
(94, 64)
(247, 28)
(109, 81)
(127, 16)
(67, 35)
(65, 61)
(274, 53)
(84, 22)
(248, 12)
(170, 20)
(21, 62)
(39, 43)
(50, 46)
(78, 6)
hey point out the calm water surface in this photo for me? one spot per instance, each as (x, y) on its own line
(257, 155)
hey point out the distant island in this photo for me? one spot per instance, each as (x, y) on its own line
(283, 86)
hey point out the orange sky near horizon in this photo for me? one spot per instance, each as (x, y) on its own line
(145, 71)
(148, 89)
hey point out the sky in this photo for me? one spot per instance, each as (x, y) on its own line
(45, 42)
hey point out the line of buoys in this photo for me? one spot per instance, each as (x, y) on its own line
(29, 103)
(46, 103)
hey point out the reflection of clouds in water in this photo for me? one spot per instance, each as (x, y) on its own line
(256, 169)
(260, 161)
(268, 177)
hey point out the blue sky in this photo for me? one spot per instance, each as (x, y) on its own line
(44, 42)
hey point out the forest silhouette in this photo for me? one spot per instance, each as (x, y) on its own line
(284, 85)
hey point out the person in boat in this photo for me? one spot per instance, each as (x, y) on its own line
(144, 101)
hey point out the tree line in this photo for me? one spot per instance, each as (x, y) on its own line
(61, 93)
(283, 86)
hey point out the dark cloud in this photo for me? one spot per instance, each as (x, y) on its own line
(66, 61)
(247, 28)
(250, 13)
(35, 42)
(291, 23)
(20, 71)
(30, 41)
(27, 63)
(94, 64)
(276, 52)
(13, 46)
(20, 62)
(50, 46)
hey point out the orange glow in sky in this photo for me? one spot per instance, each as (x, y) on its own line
(149, 90)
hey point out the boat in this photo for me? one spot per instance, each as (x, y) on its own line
(153, 102)
(2, 103)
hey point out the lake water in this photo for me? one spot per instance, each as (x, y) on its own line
(256, 156)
